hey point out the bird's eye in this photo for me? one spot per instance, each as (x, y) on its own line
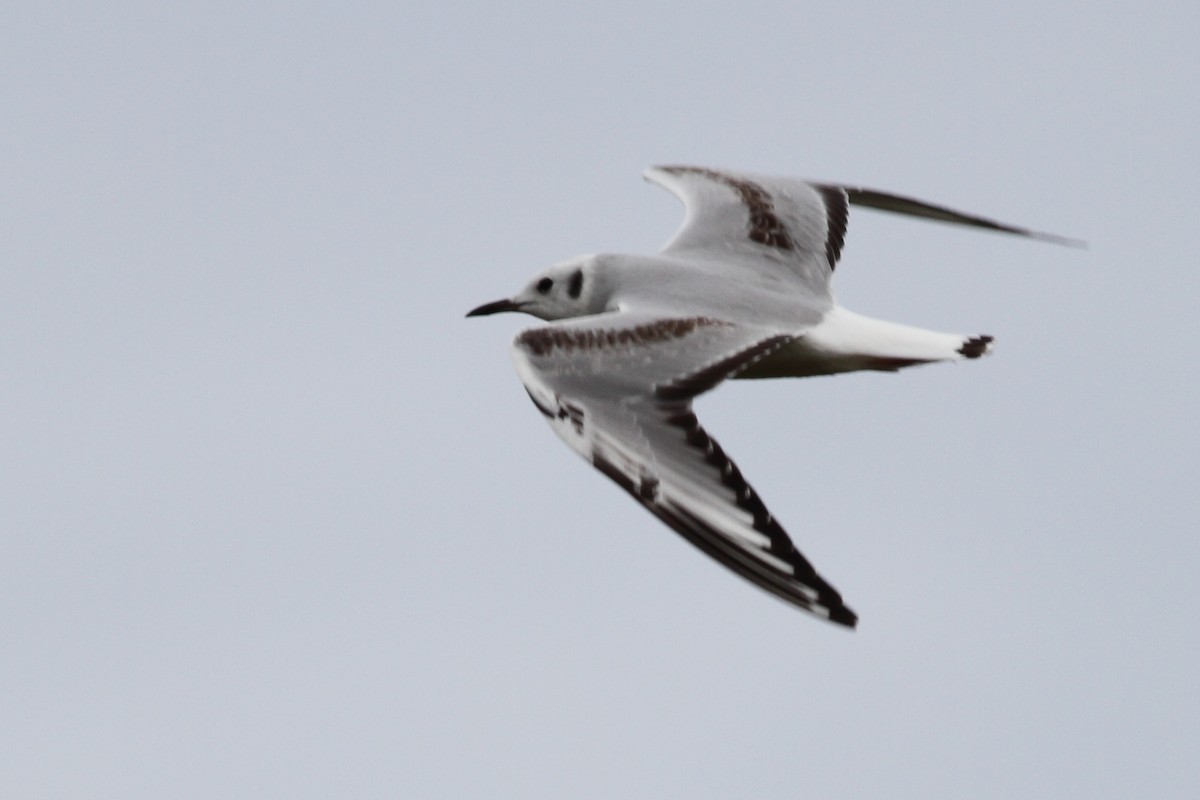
(544, 285)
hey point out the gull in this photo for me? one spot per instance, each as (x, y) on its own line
(742, 290)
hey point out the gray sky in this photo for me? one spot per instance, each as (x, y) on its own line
(278, 522)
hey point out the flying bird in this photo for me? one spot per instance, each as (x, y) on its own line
(742, 290)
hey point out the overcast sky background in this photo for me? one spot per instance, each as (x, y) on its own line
(276, 521)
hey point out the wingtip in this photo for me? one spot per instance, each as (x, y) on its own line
(903, 204)
(1062, 241)
(844, 616)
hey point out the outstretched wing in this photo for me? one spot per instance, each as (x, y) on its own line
(618, 390)
(786, 226)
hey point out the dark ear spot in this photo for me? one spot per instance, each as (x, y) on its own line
(575, 287)
(544, 285)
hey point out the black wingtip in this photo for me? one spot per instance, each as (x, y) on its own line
(900, 204)
(844, 616)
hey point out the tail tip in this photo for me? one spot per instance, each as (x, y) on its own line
(976, 346)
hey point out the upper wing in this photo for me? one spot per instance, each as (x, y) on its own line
(785, 225)
(620, 395)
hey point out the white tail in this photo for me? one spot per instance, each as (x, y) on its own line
(847, 342)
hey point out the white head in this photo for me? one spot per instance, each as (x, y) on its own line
(569, 289)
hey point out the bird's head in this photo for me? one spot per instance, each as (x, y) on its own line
(566, 290)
